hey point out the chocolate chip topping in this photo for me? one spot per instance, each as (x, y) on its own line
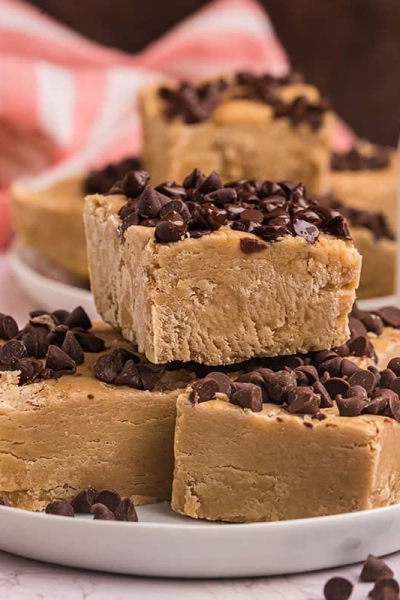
(83, 501)
(194, 103)
(120, 368)
(338, 588)
(268, 210)
(61, 508)
(8, 327)
(247, 395)
(108, 498)
(101, 512)
(99, 181)
(125, 511)
(354, 160)
(374, 568)
(58, 361)
(376, 222)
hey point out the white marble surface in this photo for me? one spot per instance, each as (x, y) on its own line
(23, 579)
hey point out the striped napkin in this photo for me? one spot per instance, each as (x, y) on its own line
(70, 102)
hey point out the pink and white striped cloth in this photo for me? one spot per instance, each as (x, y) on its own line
(70, 102)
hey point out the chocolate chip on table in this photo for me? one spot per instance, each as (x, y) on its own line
(390, 316)
(247, 395)
(125, 511)
(8, 327)
(71, 347)
(78, 318)
(83, 501)
(12, 351)
(374, 568)
(338, 588)
(385, 588)
(223, 382)
(351, 407)
(59, 361)
(303, 401)
(109, 498)
(61, 508)
(101, 512)
(203, 390)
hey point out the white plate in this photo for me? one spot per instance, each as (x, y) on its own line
(163, 544)
(49, 293)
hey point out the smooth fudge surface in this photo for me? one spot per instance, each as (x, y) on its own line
(243, 126)
(59, 436)
(223, 297)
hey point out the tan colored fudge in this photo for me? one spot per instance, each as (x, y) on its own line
(222, 295)
(242, 126)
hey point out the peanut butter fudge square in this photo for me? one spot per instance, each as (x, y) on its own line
(366, 177)
(220, 274)
(49, 222)
(80, 407)
(317, 439)
(242, 125)
(376, 242)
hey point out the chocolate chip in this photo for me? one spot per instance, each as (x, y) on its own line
(175, 206)
(61, 508)
(150, 376)
(151, 202)
(12, 351)
(373, 323)
(83, 501)
(323, 356)
(36, 340)
(309, 371)
(395, 385)
(59, 361)
(390, 315)
(89, 342)
(108, 367)
(393, 408)
(101, 512)
(279, 363)
(211, 183)
(336, 386)
(248, 396)
(194, 179)
(251, 245)
(60, 316)
(331, 366)
(109, 498)
(223, 382)
(4, 501)
(29, 369)
(222, 196)
(387, 378)
(394, 365)
(171, 228)
(303, 400)
(125, 511)
(71, 347)
(134, 182)
(363, 378)
(279, 384)
(129, 374)
(325, 401)
(8, 327)
(357, 327)
(338, 588)
(376, 406)
(356, 390)
(78, 318)
(351, 407)
(347, 368)
(385, 588)
(203, 390)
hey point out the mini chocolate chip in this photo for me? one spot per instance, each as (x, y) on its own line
(134, 182)
(323, 356)
(8, 327)
(222, 196)
(338, 588)
(373, 323)
(248, 396)
(78, 318)
(60, 316)
(351, 407)
(309, 371)
(83, 501)
(395, 385)
(61, 508)
(203, 390)
(306, 230)
(356, 390)
(223, 382)
(279, 363)
(171, 228)
(363, 378)
(336, 386)
(150, 376)
(394, 365)
(129, 375)
(175, 206)
(251, 214)
(387, 378)
(29, 369)
(101, 512)
(108, 367)
(390, 315)
(4, 501)
(303, 400)
(57, 336)
(124, 355)
(385, 588)
(194, 179)
(150, 202)
(12, 351)
(71, 347)
(320, 389)
(89, 342)
(125, 511)
(59, 361)
(279, 384)
(343, 350)
(393, 408)
(376, 406)
(108, 498)
(347, 368)
(211, 183)
(36, 340)
(331, 366)
(251, 245)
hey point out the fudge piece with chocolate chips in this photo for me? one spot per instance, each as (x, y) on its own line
(49, 223)
(242, 125)
(219, 274)
(80, 407)
(376, 242)
(366, 178)
(317, 439)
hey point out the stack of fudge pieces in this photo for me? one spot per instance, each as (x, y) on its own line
(232, 376)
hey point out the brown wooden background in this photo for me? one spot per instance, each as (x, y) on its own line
(349, 48)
